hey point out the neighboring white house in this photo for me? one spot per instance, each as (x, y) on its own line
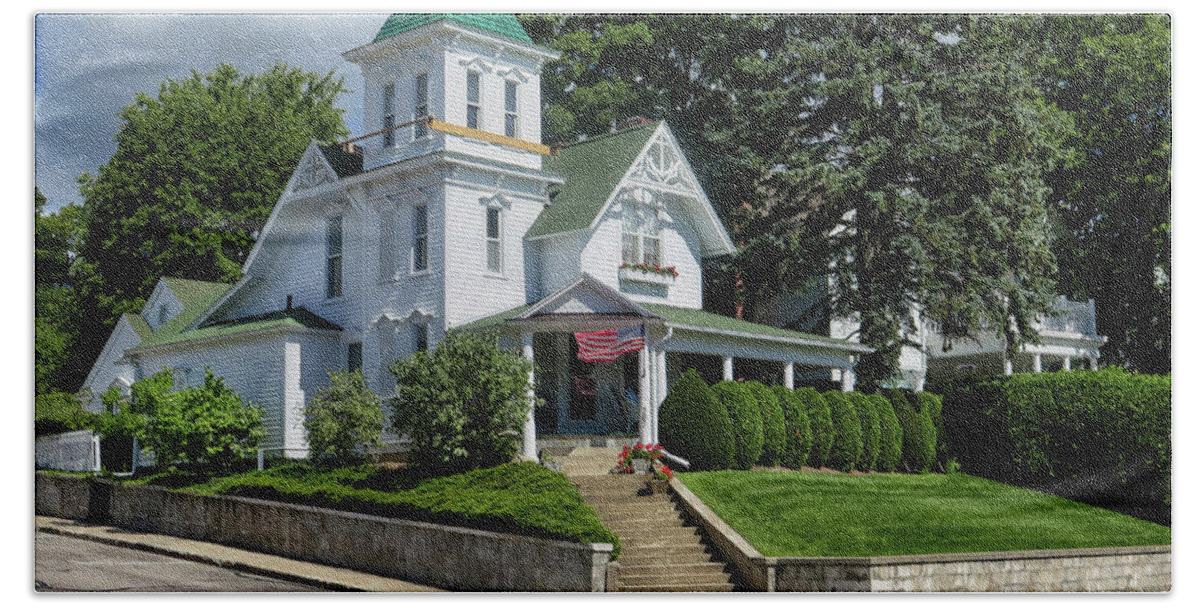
(456, 216)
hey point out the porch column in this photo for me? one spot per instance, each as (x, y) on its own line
(529, 438)
(1094, 363)
(645, 399)
(1066, 364)
(660, 386)
(729, 367)
(1008, 368)
(847, 380)
(789, 375)
(1037, 363)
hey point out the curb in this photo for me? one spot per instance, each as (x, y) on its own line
(335, 579)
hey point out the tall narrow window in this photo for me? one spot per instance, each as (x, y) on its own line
(473, 99)
(420, 332)
(495, 262)
(421, 108)
(389, 115)
(333, 257)
(510, 108)
(420, 256)
(387, 244)
(354, 356)
(640, 232)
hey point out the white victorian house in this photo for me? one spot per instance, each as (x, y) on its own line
(452, 214)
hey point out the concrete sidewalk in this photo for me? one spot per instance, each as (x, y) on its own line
(327, 577)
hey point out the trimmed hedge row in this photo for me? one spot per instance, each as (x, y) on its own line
(735, 425)
(1099, 437)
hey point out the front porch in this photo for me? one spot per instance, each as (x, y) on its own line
(621, 397)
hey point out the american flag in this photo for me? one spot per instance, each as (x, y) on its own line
(607, 345)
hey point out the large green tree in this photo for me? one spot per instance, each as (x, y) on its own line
(195, 175)
(56, 309)
(1112, 75)
(907, 152)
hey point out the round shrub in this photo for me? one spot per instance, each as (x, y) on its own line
(694, 424)
(774, 440)
(847, 432)
(919, 435)
(796, 429)
(933, 404)
(891, 440)
(821, 423)
(869, 419)
(747, 422)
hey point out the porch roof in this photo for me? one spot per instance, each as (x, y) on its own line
(701, 321)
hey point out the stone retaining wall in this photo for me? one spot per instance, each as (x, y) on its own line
(442, 556)
(1102, 569)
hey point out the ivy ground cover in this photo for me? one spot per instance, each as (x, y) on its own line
(515, 498)
(823, 514)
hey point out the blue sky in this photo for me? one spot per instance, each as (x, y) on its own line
(87, 67)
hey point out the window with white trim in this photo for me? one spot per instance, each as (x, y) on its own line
(421, 107)
(641, 231)
(389, 114)
(495, 249)
(387, 243)
(420, 251)
(473, 99)
(511, 119)
(333, 257)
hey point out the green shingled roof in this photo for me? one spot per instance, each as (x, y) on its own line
(139, 324)
(592, 168)
(685, 317)
(709, 320)
(196, 297)
(498, 23)
(294, 318)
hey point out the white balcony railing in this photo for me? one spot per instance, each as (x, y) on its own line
(1073, 317)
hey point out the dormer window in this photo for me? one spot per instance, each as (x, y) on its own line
(510, 108)
(640, 232)
(473, 99)
(421, 107)
(389, 115)
(162, 314)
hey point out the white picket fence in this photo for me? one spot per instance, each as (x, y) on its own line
(71, 451)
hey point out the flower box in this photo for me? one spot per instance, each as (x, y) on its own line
(641, 275)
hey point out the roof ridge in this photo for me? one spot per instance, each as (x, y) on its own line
(603, 136)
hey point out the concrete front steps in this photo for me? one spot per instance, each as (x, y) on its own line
(660, 551)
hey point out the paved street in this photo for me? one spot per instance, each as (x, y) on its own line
(63, 563)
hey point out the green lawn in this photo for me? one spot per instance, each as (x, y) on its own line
(822, 514)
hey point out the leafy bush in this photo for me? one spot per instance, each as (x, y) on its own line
(796, 428)
(59, 412)
(774, 440)
(694, 424)
(343, 417)
(747, 422)
(919, 435)
(847, 447)
(1101, 437)
(207, 424)
(513, 498)
(869, 419)
(821, 422)
(463, 405)
(891, 439)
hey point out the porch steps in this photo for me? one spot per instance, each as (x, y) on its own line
(660, 551)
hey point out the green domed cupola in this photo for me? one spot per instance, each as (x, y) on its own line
(504, 24)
